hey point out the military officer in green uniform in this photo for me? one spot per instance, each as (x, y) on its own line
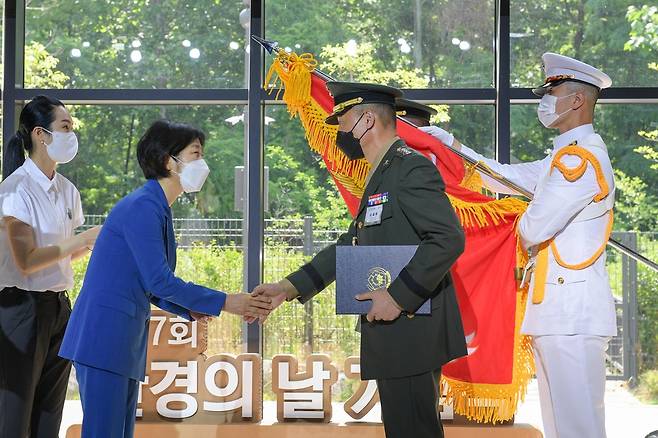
(403, 352)
(414, 112)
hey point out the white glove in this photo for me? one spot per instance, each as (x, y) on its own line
(440, 134)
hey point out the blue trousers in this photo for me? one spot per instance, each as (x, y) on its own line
(108, 403)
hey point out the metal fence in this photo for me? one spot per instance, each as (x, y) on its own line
(296, 234)
(636, 298)
(299, 236)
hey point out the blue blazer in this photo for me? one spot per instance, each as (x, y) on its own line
(132, 265)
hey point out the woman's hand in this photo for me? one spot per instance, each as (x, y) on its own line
(277, 300)
(88, 237)
(200, 317)
(202, 321)
(30, 258)
(248, 305)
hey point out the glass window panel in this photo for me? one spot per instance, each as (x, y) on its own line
(2, 70)
(473, 125)
(163, 44)
(615, 36)
(2, 47)
(408, 43)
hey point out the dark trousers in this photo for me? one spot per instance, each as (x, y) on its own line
(109, 402)
(33, 378)
(409, 406)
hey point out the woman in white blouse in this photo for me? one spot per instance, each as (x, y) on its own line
(39, 211)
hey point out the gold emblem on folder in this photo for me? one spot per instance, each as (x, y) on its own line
(378, 278)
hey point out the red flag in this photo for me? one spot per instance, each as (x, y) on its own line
(488, 383)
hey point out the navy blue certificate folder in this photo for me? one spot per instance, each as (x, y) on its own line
(362, 269)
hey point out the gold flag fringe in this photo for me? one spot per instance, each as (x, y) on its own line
(294, 73)
(493, 403)
(489, 403)
(484, 214)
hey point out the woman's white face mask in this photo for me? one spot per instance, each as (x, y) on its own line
(64, 146)
(193, 175)
(546, 111)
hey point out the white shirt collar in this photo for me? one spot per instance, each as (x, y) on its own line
(37, 175)
(572, 135)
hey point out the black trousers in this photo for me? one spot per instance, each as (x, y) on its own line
(33, 378)
(409, 406)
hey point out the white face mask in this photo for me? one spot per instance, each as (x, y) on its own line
(64, 146)
(193, 175)
(546, 109)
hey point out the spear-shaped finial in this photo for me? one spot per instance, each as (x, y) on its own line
(270, 46)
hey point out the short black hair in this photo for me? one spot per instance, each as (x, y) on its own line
(385, 113)
(162, 140)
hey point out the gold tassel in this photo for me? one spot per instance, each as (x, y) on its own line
(472, 179)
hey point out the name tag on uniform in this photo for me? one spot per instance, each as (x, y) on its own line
(374, 215)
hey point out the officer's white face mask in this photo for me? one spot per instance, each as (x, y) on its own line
(64, 146)
(193, 175)
(546, 111)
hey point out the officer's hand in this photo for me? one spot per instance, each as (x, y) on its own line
(384, 307)
(268, 290)
(276, 302)
(278, 292)
(248, 305)
(440, 134)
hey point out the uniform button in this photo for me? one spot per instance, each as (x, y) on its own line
(560, 280)
(360, 225)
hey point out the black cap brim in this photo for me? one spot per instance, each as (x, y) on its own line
(332, 119)
(540, 91)
(414, 109)
(349, 94)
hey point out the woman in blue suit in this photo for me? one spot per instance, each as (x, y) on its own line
(132, 266)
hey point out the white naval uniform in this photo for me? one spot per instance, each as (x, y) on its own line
(573, 323)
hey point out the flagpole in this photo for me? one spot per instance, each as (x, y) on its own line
(272, 47)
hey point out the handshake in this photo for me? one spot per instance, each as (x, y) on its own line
(257, 305)
(266, 297)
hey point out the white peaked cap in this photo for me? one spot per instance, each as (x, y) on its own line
(560, 68)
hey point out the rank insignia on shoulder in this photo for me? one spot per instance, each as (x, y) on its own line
(379, 198)
(403, 150)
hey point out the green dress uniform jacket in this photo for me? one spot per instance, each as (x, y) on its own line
(417, 212)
